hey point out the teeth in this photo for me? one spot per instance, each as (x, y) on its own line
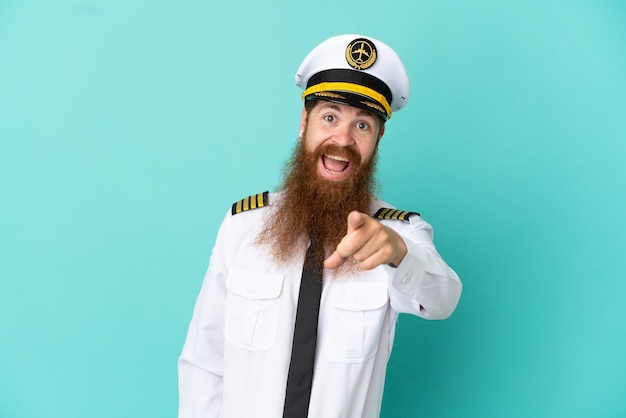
(337, 158)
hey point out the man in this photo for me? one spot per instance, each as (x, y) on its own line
(277, 333)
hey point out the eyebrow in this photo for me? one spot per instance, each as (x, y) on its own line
(365, 112)
(360, 112)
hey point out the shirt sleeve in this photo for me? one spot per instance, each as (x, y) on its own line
(200, 365)
(422, 284)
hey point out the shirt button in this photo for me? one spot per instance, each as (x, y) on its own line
(406, 279)
(355, 299)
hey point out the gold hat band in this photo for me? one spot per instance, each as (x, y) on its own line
(350, 87)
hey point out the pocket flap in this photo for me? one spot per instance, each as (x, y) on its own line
(363, 296)
(255, 285)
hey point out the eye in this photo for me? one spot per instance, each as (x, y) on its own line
(363, 126)
(329, 118)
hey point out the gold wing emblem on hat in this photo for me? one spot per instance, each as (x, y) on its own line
(361, 54)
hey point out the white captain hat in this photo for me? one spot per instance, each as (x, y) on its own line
(356, 70)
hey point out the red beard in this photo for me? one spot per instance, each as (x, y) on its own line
(316, 208)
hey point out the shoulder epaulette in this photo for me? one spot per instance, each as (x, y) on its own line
(388, 213)
(251, 202)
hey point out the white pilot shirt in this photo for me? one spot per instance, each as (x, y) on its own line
(236, 356)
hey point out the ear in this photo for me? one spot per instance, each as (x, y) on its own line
(302, 122)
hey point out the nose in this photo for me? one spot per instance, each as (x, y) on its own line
(343, 136)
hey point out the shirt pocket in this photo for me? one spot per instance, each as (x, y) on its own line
(355, 321)
(252, 308)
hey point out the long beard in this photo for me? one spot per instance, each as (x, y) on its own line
(315, 208)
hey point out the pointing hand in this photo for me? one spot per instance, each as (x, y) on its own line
(369, 242)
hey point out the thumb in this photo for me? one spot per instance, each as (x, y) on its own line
(334, 261)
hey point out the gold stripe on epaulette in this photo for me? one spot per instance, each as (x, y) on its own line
(388, 213)
(251, 202)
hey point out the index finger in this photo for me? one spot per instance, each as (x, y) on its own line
(355, 221)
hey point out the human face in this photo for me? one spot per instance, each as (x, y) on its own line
(340, 126)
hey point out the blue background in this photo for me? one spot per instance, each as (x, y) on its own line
(127, 128)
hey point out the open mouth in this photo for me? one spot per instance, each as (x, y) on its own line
(335, 164)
